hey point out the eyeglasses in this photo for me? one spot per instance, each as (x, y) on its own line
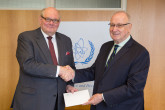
(118, 25)
(49, 20)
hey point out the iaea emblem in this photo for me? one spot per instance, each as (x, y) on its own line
(80, 51)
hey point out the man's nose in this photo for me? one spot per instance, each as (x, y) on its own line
(51, 22)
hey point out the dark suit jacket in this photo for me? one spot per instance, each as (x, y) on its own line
(38, 85)
(122, 83)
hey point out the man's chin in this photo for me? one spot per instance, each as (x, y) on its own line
(115, 37)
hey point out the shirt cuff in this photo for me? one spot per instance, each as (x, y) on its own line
(57, 72)
(103, 97)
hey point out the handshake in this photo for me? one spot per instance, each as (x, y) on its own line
(66, 73)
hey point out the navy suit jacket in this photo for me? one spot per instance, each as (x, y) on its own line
(38, 85)
(122, 83)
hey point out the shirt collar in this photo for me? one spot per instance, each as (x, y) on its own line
(45, 35)
(124, 42)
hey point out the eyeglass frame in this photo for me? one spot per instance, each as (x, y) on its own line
(118, 25)
(49, 20)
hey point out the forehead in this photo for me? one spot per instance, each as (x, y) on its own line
(119, 18)
(51, 13)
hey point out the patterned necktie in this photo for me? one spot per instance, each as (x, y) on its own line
(52, 51)
(112, 55)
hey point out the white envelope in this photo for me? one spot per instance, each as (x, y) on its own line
(77, 98)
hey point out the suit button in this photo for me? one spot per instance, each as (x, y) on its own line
(54, 95)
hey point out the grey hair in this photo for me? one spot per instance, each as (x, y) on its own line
(42, 12)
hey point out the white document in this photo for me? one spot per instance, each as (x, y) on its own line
(77, 98)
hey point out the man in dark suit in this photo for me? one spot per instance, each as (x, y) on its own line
(43, 79)
(119, 72)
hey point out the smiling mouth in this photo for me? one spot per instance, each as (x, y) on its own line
(115, 34)
(51, 26)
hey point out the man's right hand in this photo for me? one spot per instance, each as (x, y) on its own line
(66, 73)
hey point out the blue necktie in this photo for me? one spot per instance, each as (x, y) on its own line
(112, 55)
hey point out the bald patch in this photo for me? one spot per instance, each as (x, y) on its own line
(122, 13)
(49, 9)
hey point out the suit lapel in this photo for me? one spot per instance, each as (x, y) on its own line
(107, 52)
(60, 47)
(43, 46)
(104, 60)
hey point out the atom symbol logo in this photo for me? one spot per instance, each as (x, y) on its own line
(79, 49)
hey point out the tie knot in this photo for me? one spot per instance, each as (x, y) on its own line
(49, 38)
(116, 46)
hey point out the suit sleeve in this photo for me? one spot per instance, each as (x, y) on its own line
(135, 82)
(83, 75)
(28, 61)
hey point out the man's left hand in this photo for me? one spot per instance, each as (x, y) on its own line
(71, 89)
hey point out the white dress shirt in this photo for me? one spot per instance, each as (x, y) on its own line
(55, 47)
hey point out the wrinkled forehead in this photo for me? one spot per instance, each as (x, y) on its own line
(119, 18)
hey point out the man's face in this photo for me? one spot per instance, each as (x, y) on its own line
(49, 21)
(119, 29)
